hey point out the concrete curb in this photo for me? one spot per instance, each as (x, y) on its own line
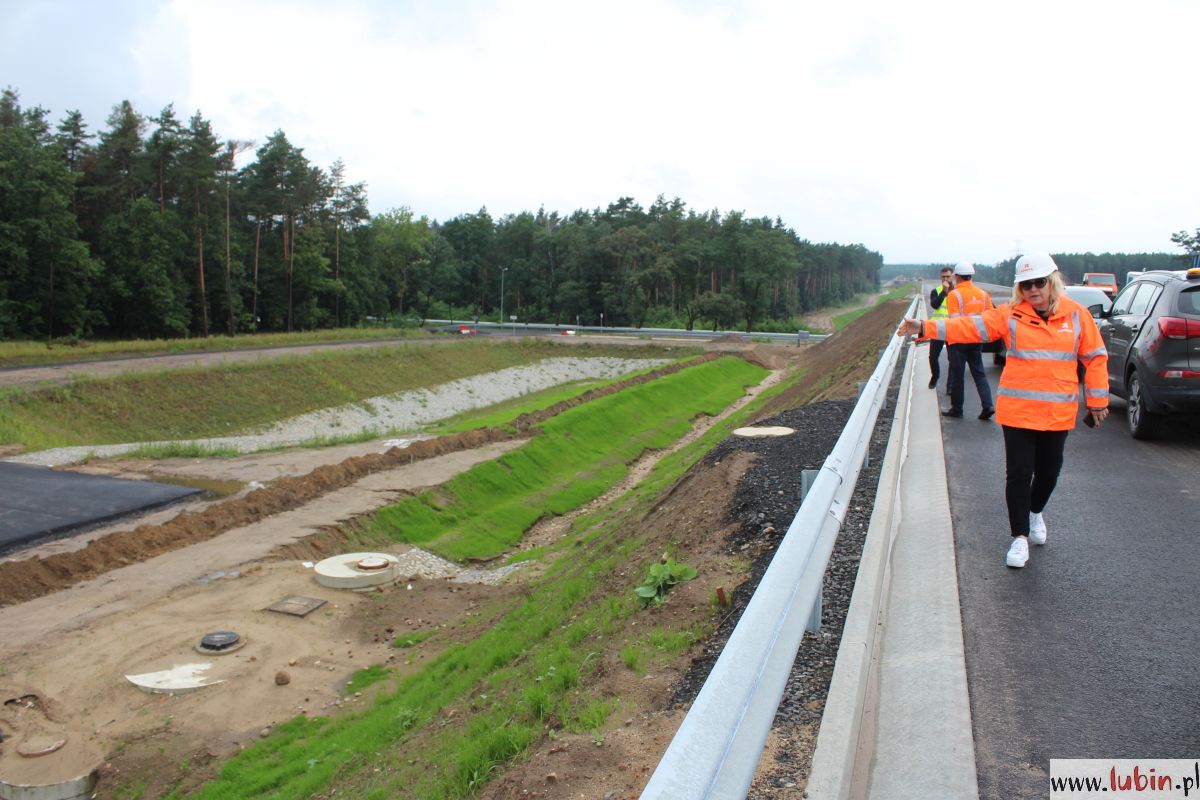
(897, 720)
(923, 744)
(855, 679)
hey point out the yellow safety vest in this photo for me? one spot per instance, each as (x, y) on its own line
(941, 312)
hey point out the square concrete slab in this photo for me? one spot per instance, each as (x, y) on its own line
(297, 605)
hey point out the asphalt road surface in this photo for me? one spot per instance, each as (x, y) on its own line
(1091, 650)
(39, 503)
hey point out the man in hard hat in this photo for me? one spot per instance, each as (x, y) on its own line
(938, 310)
(965, 300)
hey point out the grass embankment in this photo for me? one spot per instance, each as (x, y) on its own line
(483, 512)
(18, 354)
(501, 414)
(531, 667)
(224, 400)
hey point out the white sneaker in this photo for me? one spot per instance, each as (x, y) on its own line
(1018, 552)
(1037, 528)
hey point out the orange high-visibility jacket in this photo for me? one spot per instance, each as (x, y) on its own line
(1039, 387)
(967, 298)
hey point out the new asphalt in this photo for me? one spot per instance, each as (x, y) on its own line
(38, 503)
(1090, 651)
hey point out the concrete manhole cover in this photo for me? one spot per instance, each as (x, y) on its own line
(40, 758)
(358, 570)
(766, 430)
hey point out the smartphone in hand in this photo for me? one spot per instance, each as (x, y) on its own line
(1088, 419)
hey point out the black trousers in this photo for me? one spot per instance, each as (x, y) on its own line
(961, 357)
(1032, 461)
(935, 354)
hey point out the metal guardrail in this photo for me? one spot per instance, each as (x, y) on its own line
(716, 750)
(799, 336)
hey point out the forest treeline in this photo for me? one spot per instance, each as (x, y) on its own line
(151, 229)
(1072, 265)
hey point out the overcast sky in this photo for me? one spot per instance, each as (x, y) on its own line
(929, 131)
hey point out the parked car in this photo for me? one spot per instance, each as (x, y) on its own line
(1152, 333)
(1101, 280)
(1092, 298)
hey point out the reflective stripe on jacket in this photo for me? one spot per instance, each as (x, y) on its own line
(967, 298)
(1039, 387)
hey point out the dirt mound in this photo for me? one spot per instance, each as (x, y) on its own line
(833, 368)
(30, 578)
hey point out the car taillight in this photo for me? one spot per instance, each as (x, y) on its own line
(1179, 328)
(1179, 373)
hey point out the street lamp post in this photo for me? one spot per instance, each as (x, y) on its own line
(502, 271)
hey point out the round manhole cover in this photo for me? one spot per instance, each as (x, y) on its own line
(219, 640)
(373, 563)
(763, 431)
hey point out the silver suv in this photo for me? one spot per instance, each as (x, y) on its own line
(1152, 333)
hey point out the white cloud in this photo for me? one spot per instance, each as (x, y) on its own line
(928, 130)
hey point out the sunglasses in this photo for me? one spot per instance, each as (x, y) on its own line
(1036, 283)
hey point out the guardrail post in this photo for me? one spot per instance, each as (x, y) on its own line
(862, 387)
(814, 619)
(807, 478)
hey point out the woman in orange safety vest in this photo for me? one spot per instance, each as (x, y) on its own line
(1048, 334)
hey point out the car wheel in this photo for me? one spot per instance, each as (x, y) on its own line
(1141, 422)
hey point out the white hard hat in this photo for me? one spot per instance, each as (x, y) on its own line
(1033, 265)
(964, 268)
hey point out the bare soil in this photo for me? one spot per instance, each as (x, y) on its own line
(137, 598)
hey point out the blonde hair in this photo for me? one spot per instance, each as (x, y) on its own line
(1054, 290)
